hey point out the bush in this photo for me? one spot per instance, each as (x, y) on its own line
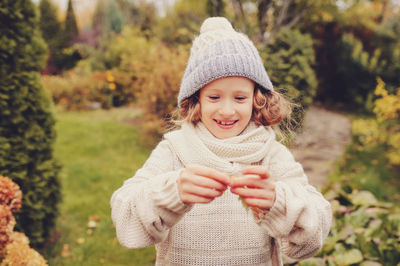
(366, 231)
(10, 202)
(27, 125)
(152, 72)
(104, 89)
(14, 246)
(384, 131)
(289, 60)
(364, 198)
(158, 98)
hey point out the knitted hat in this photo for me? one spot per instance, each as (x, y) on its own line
(219, 51)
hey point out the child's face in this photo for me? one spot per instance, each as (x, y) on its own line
(226, 106)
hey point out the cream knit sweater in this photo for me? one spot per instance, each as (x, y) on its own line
(147, 209)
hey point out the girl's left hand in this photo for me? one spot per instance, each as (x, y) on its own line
(256, 188)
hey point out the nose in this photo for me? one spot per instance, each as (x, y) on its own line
(227, 109)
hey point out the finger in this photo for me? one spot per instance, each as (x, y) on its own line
(190, 199)
(259, 203)
(210, 173)
(256, 170)
(206, 182)
(253, 193)
(251, 182)
(200, 191)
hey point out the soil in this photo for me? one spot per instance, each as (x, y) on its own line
(323, 139)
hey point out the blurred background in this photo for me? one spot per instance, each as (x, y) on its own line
(87, 88)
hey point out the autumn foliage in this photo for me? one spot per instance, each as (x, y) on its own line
(14, 246)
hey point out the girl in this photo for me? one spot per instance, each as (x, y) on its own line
(184, 199)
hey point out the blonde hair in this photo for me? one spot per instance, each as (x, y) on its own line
(270, 108)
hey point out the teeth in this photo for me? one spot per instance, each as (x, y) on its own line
(226, 123)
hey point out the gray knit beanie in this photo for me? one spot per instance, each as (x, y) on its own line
(219, 51)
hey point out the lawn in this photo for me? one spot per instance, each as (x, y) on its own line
(98, 151)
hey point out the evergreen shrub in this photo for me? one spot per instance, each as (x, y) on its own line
(27, 124)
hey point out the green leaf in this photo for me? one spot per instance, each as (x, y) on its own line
(363, 198)
(359, 218)
(312, 262)
(345, 233)
(370, 263)
(374, 226)
(348, 257)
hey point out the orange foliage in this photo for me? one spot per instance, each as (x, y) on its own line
(10, 194)
(14, 246)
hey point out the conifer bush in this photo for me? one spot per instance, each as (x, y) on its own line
(27, 125)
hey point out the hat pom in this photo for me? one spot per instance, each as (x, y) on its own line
(215, 23)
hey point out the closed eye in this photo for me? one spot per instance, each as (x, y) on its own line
(240, 98)
(213, 97)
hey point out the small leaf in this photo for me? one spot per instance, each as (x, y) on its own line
(312, 262)
(364, 198)
(370, 263)
(349, 257)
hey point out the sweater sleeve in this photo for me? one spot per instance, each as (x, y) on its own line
(148, 204)
(301, 217)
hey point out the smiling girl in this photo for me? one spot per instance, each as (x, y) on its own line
(184, 201)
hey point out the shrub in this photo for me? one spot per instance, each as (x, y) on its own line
(27, 125)
(155, 71)
(384, 130)
(364, 199)
(14, 246)
(289, 60)
(365, 230)
(160, 87)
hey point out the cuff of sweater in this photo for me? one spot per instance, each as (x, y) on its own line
(166, 199)
(272, 221)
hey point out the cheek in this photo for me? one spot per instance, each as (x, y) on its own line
(247, 110)
(206, 109)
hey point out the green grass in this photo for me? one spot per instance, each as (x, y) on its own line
(98, 152)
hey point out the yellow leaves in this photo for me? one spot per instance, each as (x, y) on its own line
(385, 129)
(80, 240)
(112, 86)
(388, 105)
(367, 131)
(111, 80)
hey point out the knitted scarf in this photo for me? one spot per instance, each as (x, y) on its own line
(196, 145)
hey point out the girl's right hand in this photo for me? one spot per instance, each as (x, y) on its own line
(201, 184)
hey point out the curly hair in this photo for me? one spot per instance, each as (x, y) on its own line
(270, 108)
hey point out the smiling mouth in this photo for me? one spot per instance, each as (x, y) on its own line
(225, 123)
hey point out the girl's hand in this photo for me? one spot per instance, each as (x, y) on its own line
(200, 184)
(256, 188)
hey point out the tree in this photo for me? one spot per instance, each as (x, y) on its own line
(272, 15)
(27, 126)
(107, 18)
(52, 34)
(71, 31)
(182, 21)
(215, 8)
(49, 23)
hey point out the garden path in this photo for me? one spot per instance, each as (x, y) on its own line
(322, 140)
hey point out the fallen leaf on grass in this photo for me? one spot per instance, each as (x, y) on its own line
(65, 252)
